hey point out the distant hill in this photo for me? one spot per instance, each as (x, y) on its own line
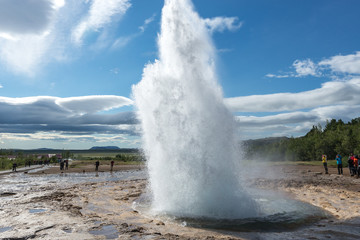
(105, 148)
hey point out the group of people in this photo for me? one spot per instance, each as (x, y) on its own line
(64, 164)
(97, 164)
(353, 163)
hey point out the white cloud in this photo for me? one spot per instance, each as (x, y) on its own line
(344, 64)
(347, 64)
(25, 16)
(305, 68)
(58, 3)
(26, 32)
(294, 123)
(91, 104)
(76, 120)
(220, 24)
(335, 92)
(27, 46)
(123, 41)
(270, 75)
(1, 86)
(101, 13)
(147, 22)
(25, 55)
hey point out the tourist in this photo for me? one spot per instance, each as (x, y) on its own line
(339, 164)
(111, 165)
(356, 164)
(67, 164)
(14, 167)
(324, 161)
(62, 164)
(351, 164)
(97, 163)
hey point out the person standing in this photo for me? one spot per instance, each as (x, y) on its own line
(67, 164)
(111, 165)
(324, 161)
(351, 164)
(14, 167)
(62, 164)
(97, 163)
(339, 164)
(356, 164)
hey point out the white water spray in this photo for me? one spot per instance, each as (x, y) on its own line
(188, 133)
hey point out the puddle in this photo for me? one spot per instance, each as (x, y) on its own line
(67, 230)
(37, 210)
(7, 194)
(4, 229)
(109, 231)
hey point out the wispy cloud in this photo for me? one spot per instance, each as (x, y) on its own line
(220, 24)
(24, 42)
(1, 86)
(123, 41)
(147, 22)
(224, 50)
(101, 13)
(55, 26)
(270, 75)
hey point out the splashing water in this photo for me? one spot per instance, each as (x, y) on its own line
(188, 133)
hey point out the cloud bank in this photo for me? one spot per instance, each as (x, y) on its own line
(331, 93)
(75, 115)
(293, 114)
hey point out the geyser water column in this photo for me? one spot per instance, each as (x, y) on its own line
(188, 133)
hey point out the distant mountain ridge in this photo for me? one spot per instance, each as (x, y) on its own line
(104, 148)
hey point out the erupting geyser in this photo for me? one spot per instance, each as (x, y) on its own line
(188, 133)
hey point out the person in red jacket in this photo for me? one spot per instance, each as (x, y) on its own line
(356, 164)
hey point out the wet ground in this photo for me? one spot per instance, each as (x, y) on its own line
(308, 205)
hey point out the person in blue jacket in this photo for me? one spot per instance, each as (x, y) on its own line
(339, 164)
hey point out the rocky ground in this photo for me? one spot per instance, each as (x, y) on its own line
(105, 209)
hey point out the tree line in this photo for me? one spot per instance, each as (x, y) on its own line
(336, 137)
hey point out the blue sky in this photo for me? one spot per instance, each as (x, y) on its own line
(67, 66)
